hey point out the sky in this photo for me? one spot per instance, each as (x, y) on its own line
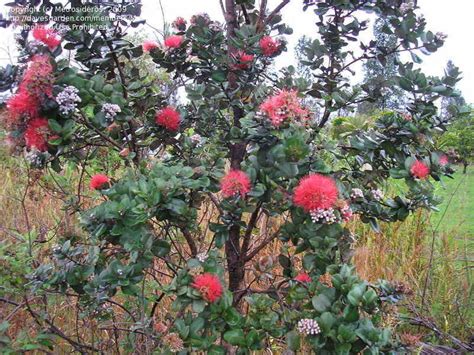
(452, 18)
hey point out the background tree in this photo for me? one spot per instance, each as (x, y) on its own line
(380, 74)
(458, 141)
(449, 104)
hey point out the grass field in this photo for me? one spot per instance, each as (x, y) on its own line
(457, 210)
(432, 252)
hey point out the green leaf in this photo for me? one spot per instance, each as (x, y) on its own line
(355, 294)
(321, 303)
(288, 169)
(199, 305)
(182, 328)
(351, 314)
(253, 339)
(326, 321)
(343, 349)
(196, 325)
(55, 126)
(216, 350)
(219, 76)
(232, 317)
(369, 297)
(293, 340)
(235, 337)
(346, 334)
(405, 84)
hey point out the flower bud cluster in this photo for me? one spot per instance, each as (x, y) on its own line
(308, 327)
(67, 100)
(110, 110)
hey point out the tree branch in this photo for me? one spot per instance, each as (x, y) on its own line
(276, 11)
(262, 245)
(190, 240)
(250, 227)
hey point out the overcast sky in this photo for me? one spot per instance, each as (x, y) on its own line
(450, 17)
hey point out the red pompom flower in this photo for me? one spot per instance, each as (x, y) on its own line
(283, 106)
(47, 35)
(21, 104)
(98, 181)
(168, 118)
(173, 41)
(443, 160)
(315, 191)
(243, 60)
(209, 286)
(36, 134)
(269, 46)
(236, 182)
(38, 78)
(419, 170)
(149, 45)
(303, 277)
(179, 23)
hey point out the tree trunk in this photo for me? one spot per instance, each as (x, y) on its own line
(237, 152)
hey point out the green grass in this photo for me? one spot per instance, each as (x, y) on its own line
(457, 210)
(454, 223)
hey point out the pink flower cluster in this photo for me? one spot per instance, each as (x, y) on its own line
(36, 134)
(269, 46)
(179, 24)
(318, 195)
(243, 60)
(284, 106)
(149, 45)
(303, 277)
(346, 212)
(443, 160)
(316, 191)
(168, 118)
(47, 36)
(23, 107)
(236, 182)
(173, 41)
(99, 181)
(419, 170)
(209, 286)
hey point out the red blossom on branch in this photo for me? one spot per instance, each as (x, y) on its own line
(179, 23)
(269, 46)
(303, 277)
(283, 106)
(419, 170)
(98, 181)
(236, 182)
(21, 104)
(48, 36)
(209, 286)
(36, 134)
(173, 41)
(315, 191)
(38, 78)
(149, 45)
(443, 160)
(243, 60)
(168, 118)
(36, 83)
